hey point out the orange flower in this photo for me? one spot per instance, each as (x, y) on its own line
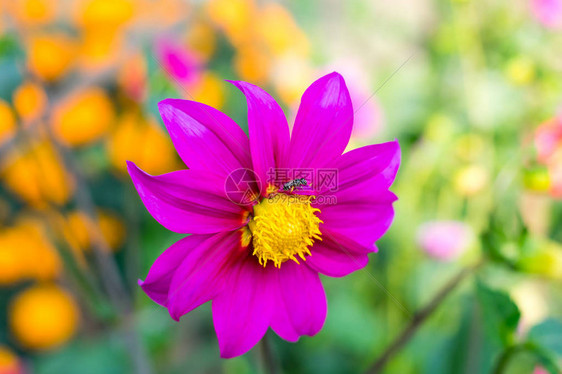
(209, 89)
(7, 122)
(201, 39)
(80, 228)
(132, 77)
(30, 101)
(143, 142)
(277, 28)
(37, 175)
(43, 317)
(50, 56)
(26, 253)
(83, 118)
(33, 12)
(100, 48)
(105, 14)
(9, 362)
(234, 17)
(252, 63)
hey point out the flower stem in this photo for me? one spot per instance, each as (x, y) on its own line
(419, 318)
(268, 360)
(505, 357)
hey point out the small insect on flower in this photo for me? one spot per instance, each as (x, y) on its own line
(294, 184)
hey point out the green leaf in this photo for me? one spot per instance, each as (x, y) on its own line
(501, 315)
(105, 355)
(548, 335)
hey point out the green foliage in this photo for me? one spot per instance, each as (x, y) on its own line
(104, 355)
(548, 336)
(501, 315)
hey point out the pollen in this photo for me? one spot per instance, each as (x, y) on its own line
(284, 227)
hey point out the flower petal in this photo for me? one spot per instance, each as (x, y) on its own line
(188, 201)
(280, 322)
(304, 297)
(323, 123)
(157, 282)
(362, 164)
(337, 255)
(361, 206)
(361, 221)
(205, 138)
(242, 312)
(202, 273)
(268, 130)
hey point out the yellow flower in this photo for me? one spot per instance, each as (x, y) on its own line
(12, 268)
(537, 179)
(43, 317)
(9, 362)
(290, 74)
(543, 258)
(30, 101)
(37, 175)
(252, 63)
(77, 230)
(277, 28)
(33, 12)
(201, 39)
(469, 146)
(26, 253)
(105, 14)
(80, 228)
(100, 48)
(83, 118)
(7, 122)
(209, 89)
(50, 56)
(471, 180)
(143, 142)
(439, 128)
(521, 71)
(42, 261)
(235, 17)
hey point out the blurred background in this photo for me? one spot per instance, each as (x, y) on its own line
(472, 89)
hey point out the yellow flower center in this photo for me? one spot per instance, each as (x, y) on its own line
(284, 227)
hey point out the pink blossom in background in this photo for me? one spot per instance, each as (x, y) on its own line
(177, 62)
(444, 240)
(548, 139)
(548, 12)
(368, 115)
(368, 121)
(540, 370)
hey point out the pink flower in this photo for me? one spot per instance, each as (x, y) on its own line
(177, 62)
(548, 12)
(540, 370)
(548, 139)
(258, 259)
(368, 119)
(444, 240)
(548, 142)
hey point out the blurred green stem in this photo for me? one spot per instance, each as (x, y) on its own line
(506, 356)
(419, 318)
(268, 360)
